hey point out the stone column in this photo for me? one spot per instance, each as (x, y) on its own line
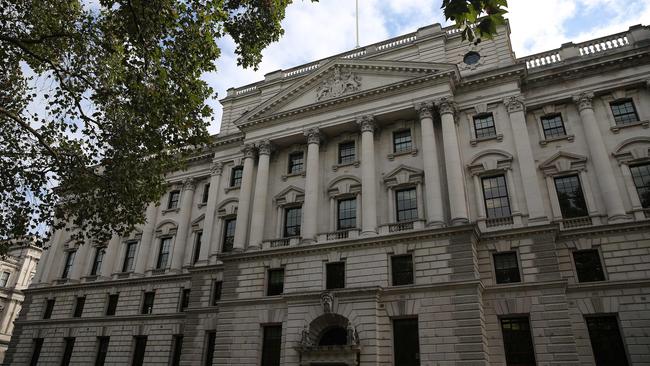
(516, 111)
(608, 187)
(207, 245)
(435, 210)
(312, 180)
(368, 176)
(187, 197)
(110, 258)
(261, 194)
(245, 190)
(480, 203)
(144, 248)
(81, 259)
(453, 164)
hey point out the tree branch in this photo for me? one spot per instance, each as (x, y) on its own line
(32, 131)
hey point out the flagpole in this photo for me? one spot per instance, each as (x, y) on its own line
(357, 16)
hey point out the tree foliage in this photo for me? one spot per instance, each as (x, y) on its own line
(477, 18)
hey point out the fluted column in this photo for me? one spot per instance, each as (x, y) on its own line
(144, 250)
(245, 190)
(261, 194)
(453, 164)
(516, 111)
(47, 261)
(207, 245)
(312, 180)
(80, 261)
(368, 176)
(435, 210)
(187, 197)
(608, 187)
(110, 258)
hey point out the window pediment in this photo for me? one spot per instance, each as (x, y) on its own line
(289, 195)
(227, 207)
(633, 150)
(489, 161)
(344, 185)
(403, 175)
(563, 162)
(166, 228)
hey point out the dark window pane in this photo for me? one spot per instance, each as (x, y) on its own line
(569, 194)
(406, 205)
(4, 279)
(185, 299)
(216, 292)
(606, 341)
(36, 353)
(79, 306)
(139, 351)
(495, 193)
(147, 302)
(506, 267)
(335, 275)
(335, 336)
(641, 177)
(272, 346)
(69, 260)
(292, 217)
(112, 304)
(518, 342)
(402, 269)
(97, 263)
(229, 226)
(102, 350)
(236, 175)
(49, 307)
(588, 265)
(484, 126)
(209, 348)
(67, 350)
(129, 256)
(402, 141)
(406, 342)
(347, 217)
(206, 193)
(347, 152)
(163, 252)
(276, 282)
(296, 163)
(197, 246)
(177, 349)
(174, 197)
(553, 126)
(624, 112)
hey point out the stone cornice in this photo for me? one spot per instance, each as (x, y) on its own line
(108, 283)
(625, 227)
(75, 322)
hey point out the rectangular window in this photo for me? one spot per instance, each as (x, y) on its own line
(553, 126)
(80, 302)
(216, 292)
(147, 302)
(406, 342)
(406, 205)
(97, 262)
(347, 214)
(588, 266)
(506, 268)
(272, 345)
(402, 269)
(347, 152)
(641, 178)
(335, 275)
(606, 341)
(102, 350)
(4, 279)
(163, 252)
(68, 346)
(624, 112)
(296, 163)
(517, 341)
(402, 141)
(197, 246)
(185, 299)
(129, 256)
(36, 353)
(210, 339)
(275, 285)
(206, 193)
(139, 350)
(484, 126)
(569, 194)
(174, 197)
(495, 194)
(49, 307)
(292, 217)
(111, 307)
(177, 349)
(236, 176)
(229, 226)
(69, 260)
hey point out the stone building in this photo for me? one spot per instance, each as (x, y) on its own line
(17, 269)
(419, 201)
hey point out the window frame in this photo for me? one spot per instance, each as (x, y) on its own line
(346, 159)
(184, 302)
(409, 144)
(37, 347)
(177, 350)
(397, 337)
(291, 164)
(497, 271)
(96, 268)
(646, 187)
(68, 348)
(217, 292)
(621, 122)
(601, 276)
(285, 222)
(267, 342)
(623, 345)
(206, 193)
(4, 278)
(173, 199)
(394, 272)
(342, 265)
(162, 253)
(236, 176)
(352, 219)
(49, 308)
(551, 117)
(228, 241)
(68, 263)
(102, 350)
(506, 196)
(479, 118)
(129, 260)
(506, 347)
(272, 289)
(148, 301)
(196, 253)
(209, 347)
(411, 210)
(580, 190)
(79, 304)
(111, 306)
(139, 348)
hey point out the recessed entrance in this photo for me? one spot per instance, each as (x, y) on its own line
(335, 336)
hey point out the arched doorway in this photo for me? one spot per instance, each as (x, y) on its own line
(329, 340)
(334, 336)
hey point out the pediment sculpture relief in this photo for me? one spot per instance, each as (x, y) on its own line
(340, 83)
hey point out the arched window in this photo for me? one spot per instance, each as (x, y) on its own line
(334, 336)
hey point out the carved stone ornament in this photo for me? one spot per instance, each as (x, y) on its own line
(339, 84)
(305, 339)
(248, 150)
(366, 123)
(216, 168)
(583, 100)
(326, 301)
(353, 335)
(424, 109)
(264, 147)
(189, 185)
(313, 135)
(446, 105)
(514, 103)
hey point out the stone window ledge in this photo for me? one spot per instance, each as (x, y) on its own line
(617, 128)
(169, 210)
(281, 242)
(291, 175)
(355, 163)
(228, 189)
(412, 151)
(569, 138)
(498, 137)
(202, 204)
(123, 274)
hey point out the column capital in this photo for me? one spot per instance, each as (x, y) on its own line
(446, 105)
(248, 150)
(264, 147)
(583, 100)
(366, 123)
(514, 103)
(189, 184)
(216, 168)
(313, 135)
(424, 109)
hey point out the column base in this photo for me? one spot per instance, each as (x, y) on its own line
(365, 234)
(308, 241)
(616, 219)
(237, 250)
(436, 224)
(457, 221)
(253, 248)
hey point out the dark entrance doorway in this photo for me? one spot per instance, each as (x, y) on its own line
(335, 336)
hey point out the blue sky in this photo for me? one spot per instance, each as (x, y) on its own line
(318, 30)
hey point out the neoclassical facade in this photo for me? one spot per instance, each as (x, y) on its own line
(419, 201)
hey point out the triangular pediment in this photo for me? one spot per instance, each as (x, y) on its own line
(339, 80)
(289, 195)
(563, 162)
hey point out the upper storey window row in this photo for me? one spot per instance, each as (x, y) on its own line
(624, 111)
(347, 152)
(236, 175)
